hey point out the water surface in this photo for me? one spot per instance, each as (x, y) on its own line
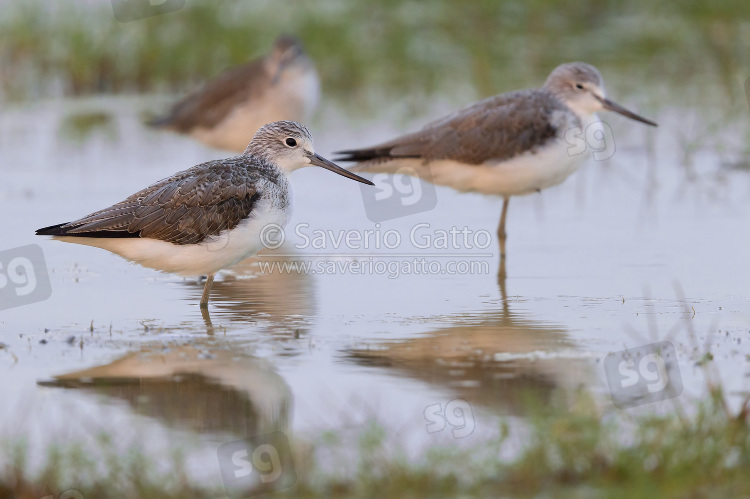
(596, 265)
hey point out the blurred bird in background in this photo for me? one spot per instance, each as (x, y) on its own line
(227, 111)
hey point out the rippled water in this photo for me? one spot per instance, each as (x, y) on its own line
(595, 265)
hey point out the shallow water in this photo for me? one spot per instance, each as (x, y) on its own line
(595, 265)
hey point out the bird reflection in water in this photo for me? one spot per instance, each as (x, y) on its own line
(498, 358)
(279, 302)
(198, 387)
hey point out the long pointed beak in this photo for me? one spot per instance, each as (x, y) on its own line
(614, 106)
(318, 160)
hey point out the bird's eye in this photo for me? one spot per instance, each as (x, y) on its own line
(291, 142)
(579, 86)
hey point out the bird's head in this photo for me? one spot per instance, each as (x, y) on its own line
(287, 47)
(581, 87)
(289, 145)
(287, 52)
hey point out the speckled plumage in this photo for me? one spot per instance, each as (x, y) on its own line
(208, 217)
(187, 207)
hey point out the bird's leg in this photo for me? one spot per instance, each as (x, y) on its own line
(501, 234)
(502, 275)
(207, 321)
(207, 290)
(501, 281)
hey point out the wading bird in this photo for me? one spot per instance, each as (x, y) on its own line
(508, 145)
(208, 217)
(228, 109)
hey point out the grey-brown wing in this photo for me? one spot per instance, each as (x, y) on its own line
(216, 99)
(186, 208)
(497, 128)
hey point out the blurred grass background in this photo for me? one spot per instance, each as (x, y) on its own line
(572, 449)
(686, 54)
(697, 51)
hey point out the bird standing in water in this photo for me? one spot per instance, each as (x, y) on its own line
(508, 145)
(228, 109)
(208, 217)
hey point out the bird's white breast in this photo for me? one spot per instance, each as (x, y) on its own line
(532, 172)
(524, 174)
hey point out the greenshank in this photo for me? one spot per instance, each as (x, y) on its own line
(228, 109)
(508, 145)
(208, 217)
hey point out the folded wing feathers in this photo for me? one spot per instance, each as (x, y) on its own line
(183, 209)
(496, 128)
